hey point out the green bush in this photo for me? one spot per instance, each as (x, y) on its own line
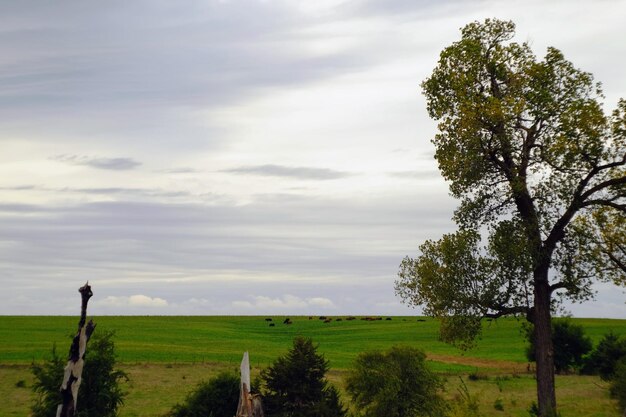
(618, 385)
(570, 344)
(295, 384)
(218, 397)
(395, 383)
(100, 393)
(604, 358)
(48, 379)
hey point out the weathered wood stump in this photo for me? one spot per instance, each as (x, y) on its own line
(250, 405)
(76, 359)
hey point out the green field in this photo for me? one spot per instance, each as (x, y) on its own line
(163, 352)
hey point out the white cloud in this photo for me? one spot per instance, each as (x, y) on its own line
(138, 300)
(286, 303)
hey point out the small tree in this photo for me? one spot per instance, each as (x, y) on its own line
(216, 398)
(570, 345)
(395, 383)
(100, 393)
(604, 358)
(295, 384)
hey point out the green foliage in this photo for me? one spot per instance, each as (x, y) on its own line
(618, 384)
(569, 342)
(395, 383)
(100, 393)
(218, 397)
(604, 358)
(537, 165)
(295, 384)
(464, 404)
(48, 378)
(498, 404)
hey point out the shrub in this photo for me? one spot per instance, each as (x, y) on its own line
(464, 403)
(100, 393)
(395, 383)
(48, 378)
(295, 384)
(218, 397)
(605, 356)
(570, 344)
(618, 385)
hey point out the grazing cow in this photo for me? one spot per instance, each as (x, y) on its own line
(272, 324)
(351, 318)
(388, 318)
(268, 319)
(322, 317)
(328, 320)
(287, 321)
(338, 319)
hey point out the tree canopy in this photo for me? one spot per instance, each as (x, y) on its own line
(540, 172)
(395, 383)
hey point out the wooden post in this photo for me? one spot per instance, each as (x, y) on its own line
(249, 404)
(74, 367)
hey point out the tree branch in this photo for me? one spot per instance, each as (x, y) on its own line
(502, 311)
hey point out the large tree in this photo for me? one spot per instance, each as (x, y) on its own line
(540, 172)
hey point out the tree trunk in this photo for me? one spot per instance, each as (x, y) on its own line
(74, 368)
(544, 354)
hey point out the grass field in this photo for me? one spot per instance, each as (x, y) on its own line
(161, 353)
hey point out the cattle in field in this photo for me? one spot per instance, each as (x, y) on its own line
(268, 319)
(287, 321)
(328, 320)
(272, 324)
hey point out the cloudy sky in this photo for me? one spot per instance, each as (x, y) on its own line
(239, 157)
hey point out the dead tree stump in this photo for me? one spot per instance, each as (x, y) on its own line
(249, 404)
(76, 359)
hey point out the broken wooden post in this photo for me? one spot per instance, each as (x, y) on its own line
(74, 367)
(249, 404)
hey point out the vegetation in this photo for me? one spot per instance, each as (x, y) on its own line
(100, 393)
(395, 383)
(618, 385)
(604, 358)
(218, 397)
(296, 385)
(48, 377)
(169, 356)
(527, 148)
(570, 345)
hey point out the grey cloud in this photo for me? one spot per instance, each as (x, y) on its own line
(115, 164)
(122, 192)
(181, 170)
(416, 174)
(315, 240)
(305, 173)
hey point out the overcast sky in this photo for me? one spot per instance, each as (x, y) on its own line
(240, 157)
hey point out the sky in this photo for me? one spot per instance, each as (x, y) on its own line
(240, 157)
